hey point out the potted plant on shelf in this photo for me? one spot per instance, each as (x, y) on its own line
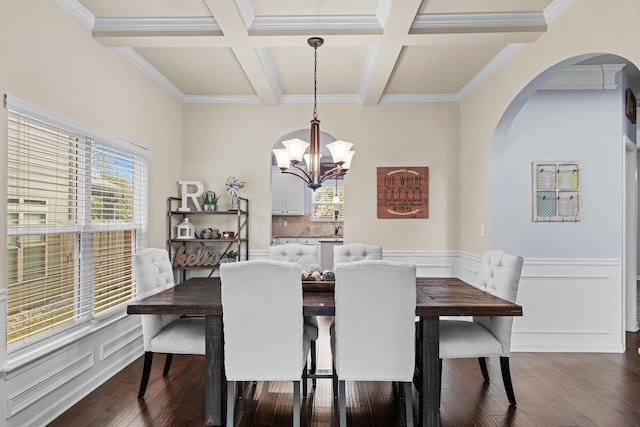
(231, 255)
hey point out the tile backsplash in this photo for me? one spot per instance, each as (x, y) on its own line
(301, 226)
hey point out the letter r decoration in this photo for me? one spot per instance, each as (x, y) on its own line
(186, 194)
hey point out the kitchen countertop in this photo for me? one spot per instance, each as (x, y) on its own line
(328, 237)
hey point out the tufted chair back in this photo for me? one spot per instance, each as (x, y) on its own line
(153, 273)
(303, 255)
(500, 275)
(356, 252)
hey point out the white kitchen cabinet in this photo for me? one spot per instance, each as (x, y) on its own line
(287, 194)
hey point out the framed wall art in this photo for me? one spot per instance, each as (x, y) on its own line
(403, 192)
(630, 106)
(556, 191)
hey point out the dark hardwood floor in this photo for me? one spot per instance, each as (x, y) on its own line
(552, 389)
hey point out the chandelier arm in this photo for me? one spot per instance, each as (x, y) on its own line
(305, 177)
(332, 173)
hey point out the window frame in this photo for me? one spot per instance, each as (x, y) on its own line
(86, 319)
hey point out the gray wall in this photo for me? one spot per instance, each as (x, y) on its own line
(576, 125)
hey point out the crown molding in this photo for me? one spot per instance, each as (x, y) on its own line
(409, 98)
(149, 70)
(325, 22)
(78, 11)
(601, 77)
(556, 8)
(221, 99)
(478, 20)
(322, 99)
(193, 24)
(490, 68)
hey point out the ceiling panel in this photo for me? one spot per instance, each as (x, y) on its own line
(200, 71)
(309, 8)
(145, 8)
(339, 69)
(439, 69)
(486, 6)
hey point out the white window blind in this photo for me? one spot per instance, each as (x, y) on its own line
(324, 204)
(77, 211)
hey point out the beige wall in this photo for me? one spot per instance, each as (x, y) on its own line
(53, 62)
(49, 59)
(224, 140)
(586, 27)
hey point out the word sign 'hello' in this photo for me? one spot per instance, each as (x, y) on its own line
(202, 258)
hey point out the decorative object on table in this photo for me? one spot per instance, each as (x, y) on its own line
(210, 201)
(293, 153)
(228, 234)
(209, 233)
(231, 255)
(403, 192)
(630, 106)
(232, 185)
(557, 194)
(186, 230)
(328, 276)
(186, 194)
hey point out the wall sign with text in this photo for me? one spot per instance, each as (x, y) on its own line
(403, 192)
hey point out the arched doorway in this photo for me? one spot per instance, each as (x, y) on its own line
(582, 277)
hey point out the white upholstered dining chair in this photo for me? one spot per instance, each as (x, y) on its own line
(356, 252)
(373, 335)
(170, 334)
(264, 337)
(487, 336)
(305, 256)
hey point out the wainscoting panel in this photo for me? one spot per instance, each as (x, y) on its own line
(36, 392)
(570, 305)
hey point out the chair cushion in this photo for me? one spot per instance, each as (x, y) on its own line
(461, 338)
(356, 252)
(182, 336)
(303, 255)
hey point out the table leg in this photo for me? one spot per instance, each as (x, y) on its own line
(430, 371)
(213, 372)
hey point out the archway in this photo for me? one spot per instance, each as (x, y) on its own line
(588, 265)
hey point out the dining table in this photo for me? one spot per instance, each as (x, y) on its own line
(435, 297)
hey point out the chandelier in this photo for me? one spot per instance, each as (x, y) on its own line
(290, 157)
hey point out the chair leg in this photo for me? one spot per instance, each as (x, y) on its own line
(483, 367)
(305, 378)
(440, 385)
(146, 371)
(334, 381)
(342, 404)
(408, 402)
(167, 364)
(231, 401)
(296, 403)
(506, 378)
(313, 362)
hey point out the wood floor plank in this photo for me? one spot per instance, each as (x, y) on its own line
(552, 389)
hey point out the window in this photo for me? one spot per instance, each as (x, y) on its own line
(324, 205)
(77, 211)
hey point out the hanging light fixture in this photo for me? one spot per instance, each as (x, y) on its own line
(288, 158)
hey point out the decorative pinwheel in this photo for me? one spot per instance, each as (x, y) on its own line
(233, 185)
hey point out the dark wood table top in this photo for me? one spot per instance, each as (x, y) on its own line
(434, 297)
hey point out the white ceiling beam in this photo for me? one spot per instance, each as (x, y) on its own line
(230, 21)
(381, 60)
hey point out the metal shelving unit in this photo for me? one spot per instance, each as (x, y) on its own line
(190, 249)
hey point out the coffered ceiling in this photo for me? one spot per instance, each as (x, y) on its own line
(256, 51)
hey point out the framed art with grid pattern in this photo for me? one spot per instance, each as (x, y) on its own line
(556, 191)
